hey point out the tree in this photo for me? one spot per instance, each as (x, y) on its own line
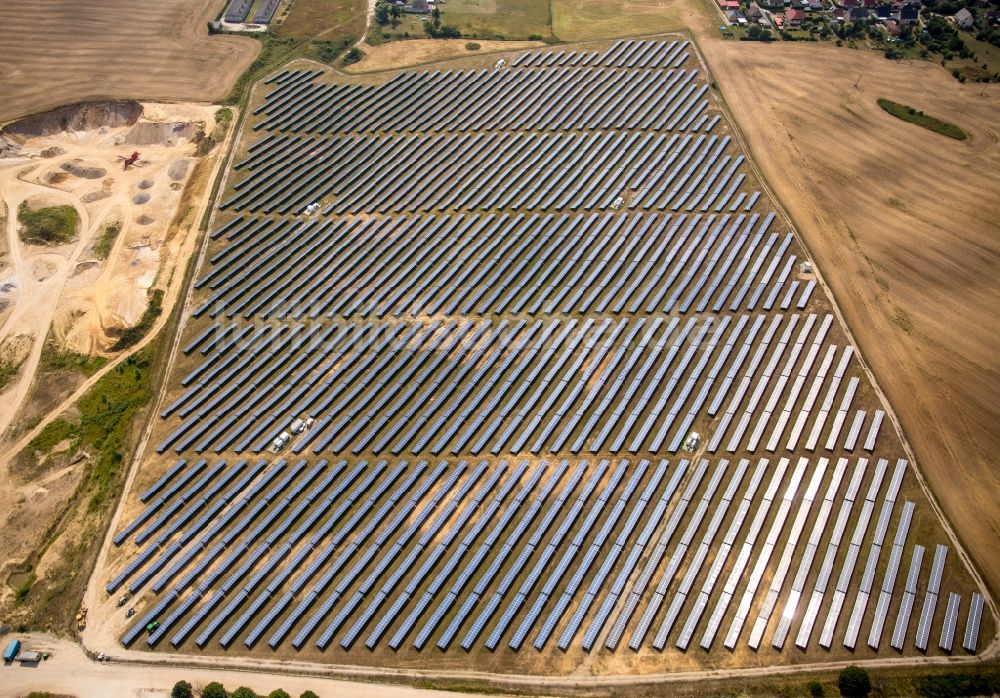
(308, 694)
(243, 692)
(214, 690)
(396, 11)
(182, 689)
(278, 693)
(815, 689)
(382, 13)
(854, 682)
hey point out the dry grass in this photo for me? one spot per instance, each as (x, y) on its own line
(317, 18)
(401, 54)
(930, 258)
(511, 19)
(576, 20)
(55, 52)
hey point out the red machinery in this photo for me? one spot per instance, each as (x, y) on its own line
(132, 159)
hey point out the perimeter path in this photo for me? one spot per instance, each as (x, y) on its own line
(69, 671)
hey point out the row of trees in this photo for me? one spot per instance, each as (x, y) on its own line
(183, 689)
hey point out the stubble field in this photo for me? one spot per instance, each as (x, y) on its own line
(55, 52)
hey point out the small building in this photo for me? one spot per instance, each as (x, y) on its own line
(794, 17)
(838, 14)
(858, 14)
(964, 19)
(729, 4)
(754, 11)
(13, 647)
(892, 27)
(883, 12)
(850, 4)
(909, 15)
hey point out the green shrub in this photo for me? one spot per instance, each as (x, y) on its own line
(243, 692)
(472, 46)
(278, 693)
(182, 689)
(854, 682)
(815, 689)
(353, 56)
(308, 694)
(214, 690)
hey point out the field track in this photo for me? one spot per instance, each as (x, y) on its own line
(114, 49)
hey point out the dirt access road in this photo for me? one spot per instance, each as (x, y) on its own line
(70, 672)
(55, 52)
(903, 224)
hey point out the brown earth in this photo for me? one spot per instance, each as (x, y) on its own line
(55, 52)
(903, 224)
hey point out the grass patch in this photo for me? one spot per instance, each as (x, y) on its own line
(55, 431)
(498, 19)
(54, 359)
(8, 369)
(473, 46)
(575, 20)
(323, 19)
(51, 225)
(108, 236)
(132, 335)
(106, 414)
(901, 111)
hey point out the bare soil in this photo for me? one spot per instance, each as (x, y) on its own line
(55, 52)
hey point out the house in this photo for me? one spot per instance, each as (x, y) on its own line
(993, 17)
(858, 14)
(964, 18)
(850, 4)
(794, 17)
(883, 12)
(838, 14)
(729, 4)
(908, 15)
(892, 27)
(754, 11)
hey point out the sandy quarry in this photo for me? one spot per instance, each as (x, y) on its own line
(55, 52)
(85, 298)
(903, 223)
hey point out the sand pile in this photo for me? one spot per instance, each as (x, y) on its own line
(54, 151)
(145, 220)
(55, 177)
(140, 198)
(178, 169)
(145, 184)
(94, 195)
(75, 168)
(167, 133)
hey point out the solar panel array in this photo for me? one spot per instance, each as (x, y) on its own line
(476, 316)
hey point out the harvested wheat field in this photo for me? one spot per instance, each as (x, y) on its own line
(903, 223)
(114, 49)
